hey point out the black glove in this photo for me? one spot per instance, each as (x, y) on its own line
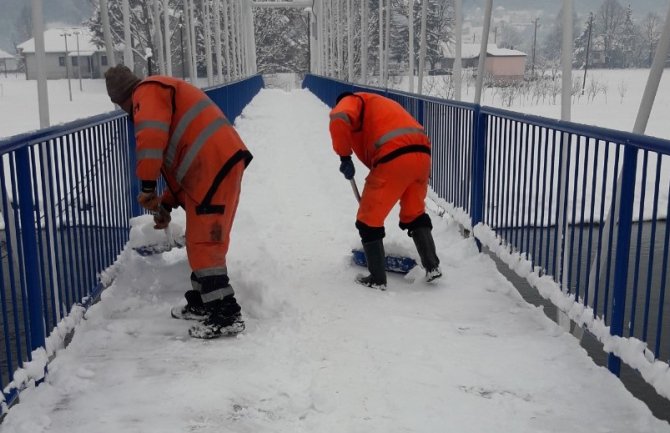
(347, 167)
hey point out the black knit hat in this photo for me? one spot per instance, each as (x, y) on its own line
(343, 95)
(120, 82)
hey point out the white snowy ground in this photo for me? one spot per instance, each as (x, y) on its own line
(321, 354)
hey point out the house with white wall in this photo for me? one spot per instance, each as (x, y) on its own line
(82, 55)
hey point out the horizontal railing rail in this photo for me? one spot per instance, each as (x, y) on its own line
(67, 194)
(583, 204)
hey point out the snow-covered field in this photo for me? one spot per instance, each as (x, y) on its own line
(321, 354)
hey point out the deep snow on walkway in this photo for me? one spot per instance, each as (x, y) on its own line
(320, 353)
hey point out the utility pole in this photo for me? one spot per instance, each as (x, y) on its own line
(588, 49)
(536, 22)
(40, 58)
(181, 46)
(128, 59)
(77, 33)
(65, 34)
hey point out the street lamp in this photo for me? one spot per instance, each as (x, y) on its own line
(77, 33)
(65, 34)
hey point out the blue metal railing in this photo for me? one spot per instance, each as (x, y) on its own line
(65, 218)
(548, 189)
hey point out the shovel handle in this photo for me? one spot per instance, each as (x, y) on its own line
(354, 187)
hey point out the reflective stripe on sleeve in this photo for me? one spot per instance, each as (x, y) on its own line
(396, 133)
(152, 124)
(179, 130)
(197, 145)
(342, 116)
(149, 154)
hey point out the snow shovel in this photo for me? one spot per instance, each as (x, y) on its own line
(398, 264)
(149, 250)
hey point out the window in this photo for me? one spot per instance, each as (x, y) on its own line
(61, 61)
(75, 61)
(103, 60)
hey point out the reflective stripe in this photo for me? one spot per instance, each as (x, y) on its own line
(152, 124)
(196, 285)
(179, 130)
(149, 154)
(396, 133)
(217, 294)
(342, 116)
(197, 145)
(211, 272)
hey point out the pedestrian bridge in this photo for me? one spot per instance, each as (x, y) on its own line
(320, 353)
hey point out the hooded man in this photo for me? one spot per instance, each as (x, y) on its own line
(394, 146)
(184, 136)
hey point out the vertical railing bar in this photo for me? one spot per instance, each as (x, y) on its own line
(496, 140)
(558, 243)
(114, 200)
(95, 227)
(652, 245)
(508, 208)
(58, 151)
(550, 224)
(527, 191)
(38, 234)
(594, 186)
(574, 207)
(492, 172)
(600, 229)
(3, 295)
(20, 256)
(542, 257)
(44, 160)
(86, 213)
(69, 188)
(638, 244)
(608, 268)
(76, 211)
(516, 192)
(664, 275)
(537, 135)
(582, 220)
(101, 159)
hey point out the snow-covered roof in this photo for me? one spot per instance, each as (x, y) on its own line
(471, 51)
(6, 55)
(54, 41)
(504, 52)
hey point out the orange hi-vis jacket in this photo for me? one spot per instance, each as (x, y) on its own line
(182, 133)
(373, 127)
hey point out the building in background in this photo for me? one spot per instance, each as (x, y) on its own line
(501, 64)
(90, 60)
(8, 63)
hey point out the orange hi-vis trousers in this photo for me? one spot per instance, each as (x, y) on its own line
(403, 179)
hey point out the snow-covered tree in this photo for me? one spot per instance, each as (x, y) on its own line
(610, 20)
(281, 40)
(651, 28)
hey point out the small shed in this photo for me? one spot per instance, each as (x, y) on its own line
(8, 62)
(501, 64)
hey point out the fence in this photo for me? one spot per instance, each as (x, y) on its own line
(66, 196)
(550, 191)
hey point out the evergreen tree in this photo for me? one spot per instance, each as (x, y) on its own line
(282, 43)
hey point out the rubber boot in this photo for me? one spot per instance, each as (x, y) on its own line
(376, 258)
(224, 319)
(423, 239)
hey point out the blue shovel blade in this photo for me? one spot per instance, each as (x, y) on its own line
(401, 265)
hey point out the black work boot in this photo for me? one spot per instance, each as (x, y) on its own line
(193, 310)
(224, 319)
(423, 239)
(376, 258)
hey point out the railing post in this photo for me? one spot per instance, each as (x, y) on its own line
(419, 112)
(478, 166)
(29, 242)
(132, 163)
(623, 239)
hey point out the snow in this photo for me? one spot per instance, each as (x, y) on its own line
(321, 354)
(19, 107)
(6, 55)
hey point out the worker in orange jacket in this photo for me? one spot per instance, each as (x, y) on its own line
(184, 136)
(389, 141)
